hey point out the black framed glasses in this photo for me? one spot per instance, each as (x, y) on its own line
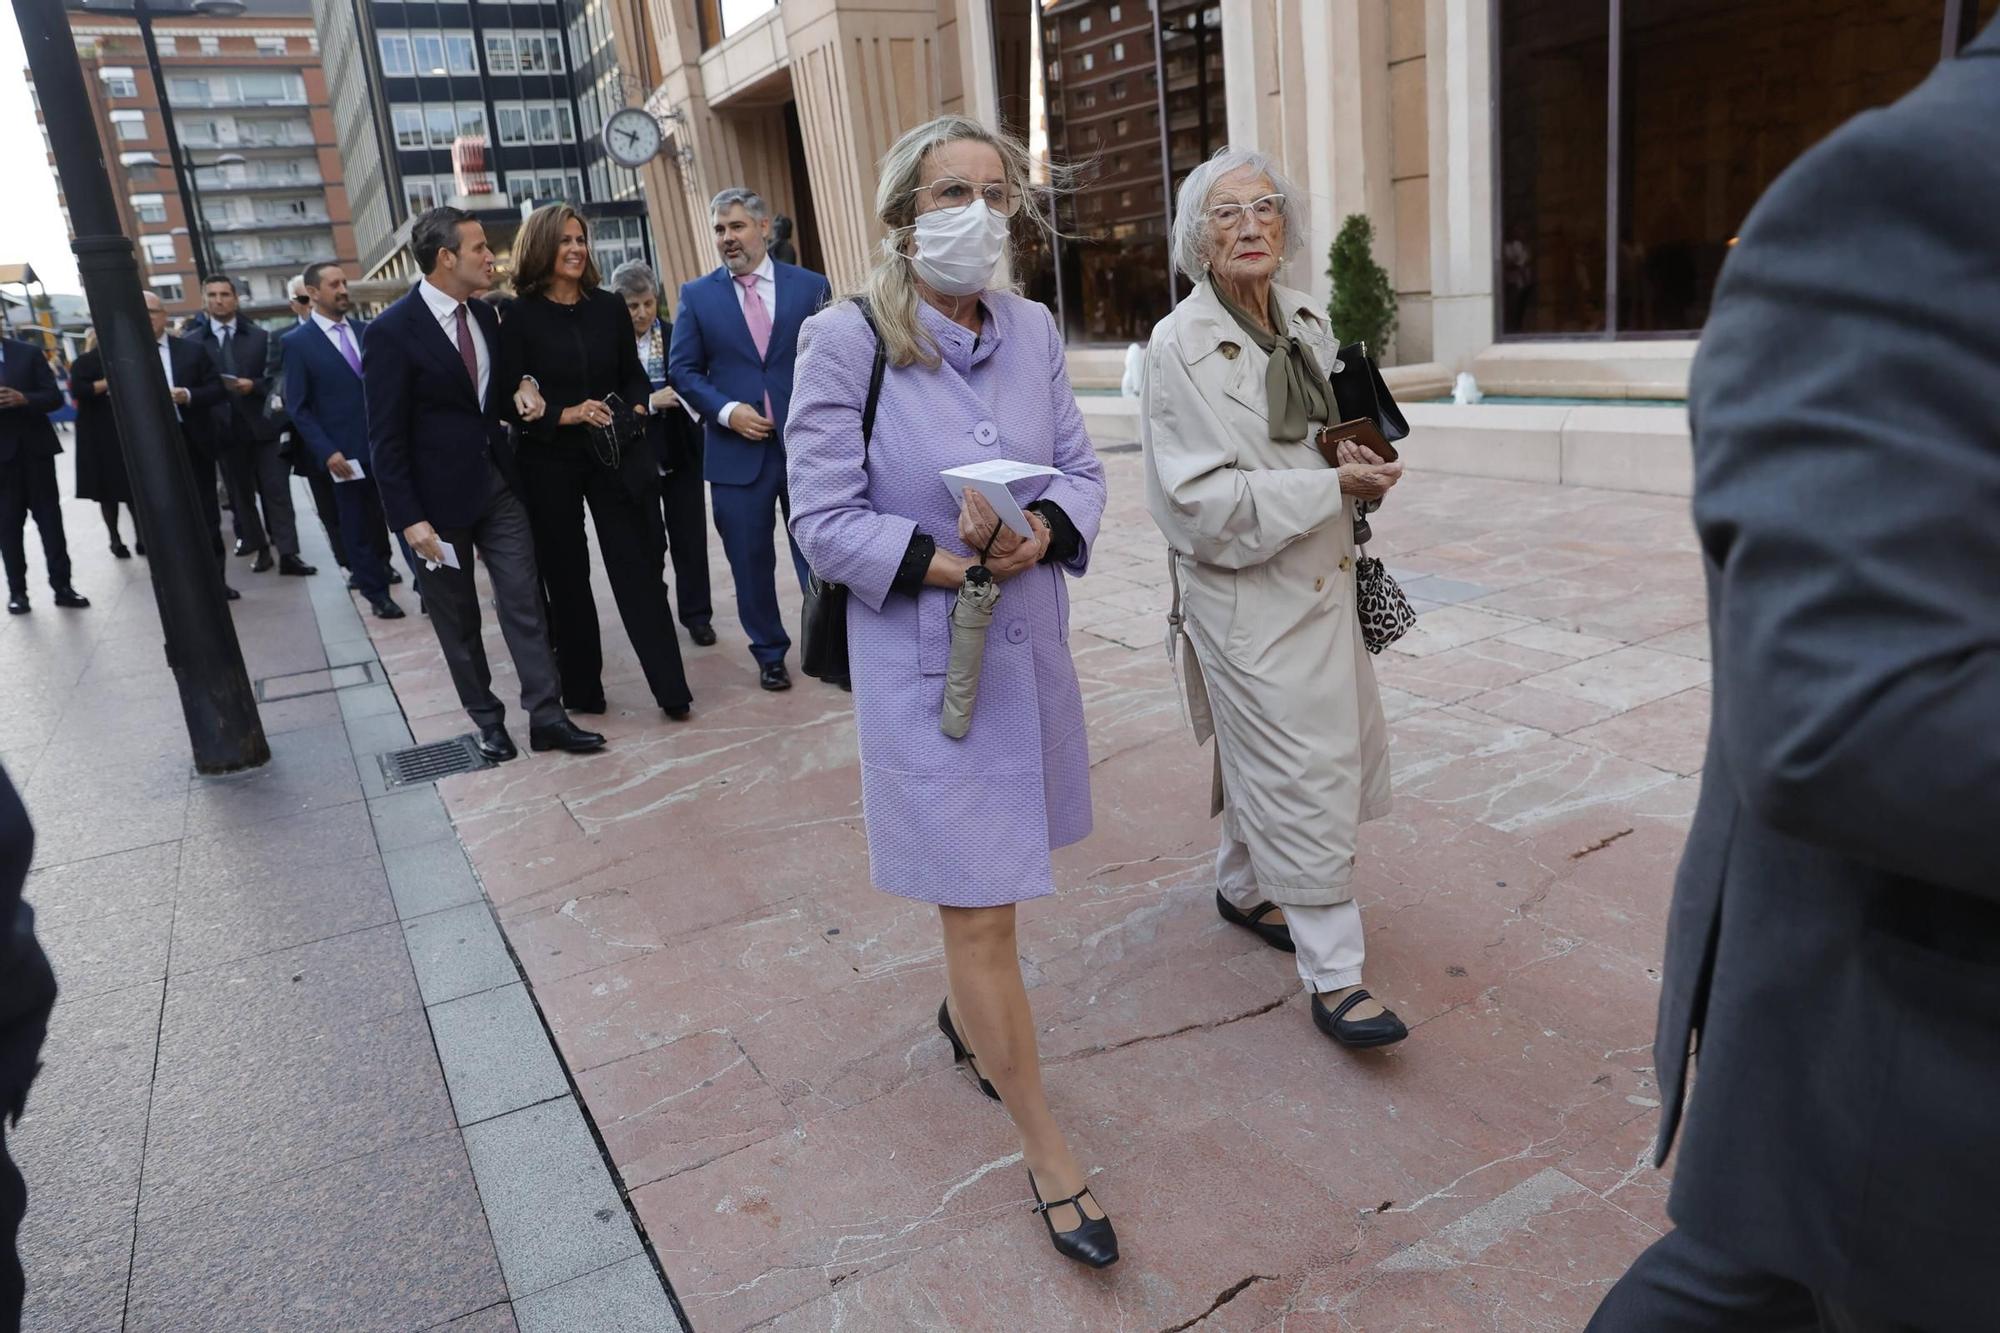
(1267, 209)
(952, 195)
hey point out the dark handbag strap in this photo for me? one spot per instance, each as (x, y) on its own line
(874, 378)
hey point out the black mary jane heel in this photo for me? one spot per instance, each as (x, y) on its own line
(959, 1054)
(1093, 1242)
(1385, 1029)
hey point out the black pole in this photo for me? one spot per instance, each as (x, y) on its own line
(207, 662)
(204, 258)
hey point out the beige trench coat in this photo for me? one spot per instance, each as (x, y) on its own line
(1267, 646)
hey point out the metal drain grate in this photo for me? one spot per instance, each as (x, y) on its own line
(428, 763)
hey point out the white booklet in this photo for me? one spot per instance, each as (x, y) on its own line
(355, 472)
(991, 480)
(450, 554)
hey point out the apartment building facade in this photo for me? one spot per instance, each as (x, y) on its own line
(250, 105)
(491, 106)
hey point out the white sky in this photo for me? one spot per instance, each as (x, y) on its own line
(31, 226)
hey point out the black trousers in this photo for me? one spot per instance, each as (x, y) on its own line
(560, 481)
(254, 473)
(684, 510)
(1680, 1285)
(501, 536)
(28, 486)
(328, 508)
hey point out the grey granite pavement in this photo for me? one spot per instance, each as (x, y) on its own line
(294, 1079)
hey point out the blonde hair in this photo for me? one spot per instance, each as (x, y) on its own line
(890, 288)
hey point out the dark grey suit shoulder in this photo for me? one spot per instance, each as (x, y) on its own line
(1835, 934)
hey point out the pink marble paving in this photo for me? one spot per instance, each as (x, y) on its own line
(751, 1024)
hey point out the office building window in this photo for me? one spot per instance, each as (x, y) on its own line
(471, 121)
(395, 48)
(159, 249)
(270, 46)
(542, 124)
(1118, 50)
(499, 53)
(512, 122)
(129, 124)
(1086, 62)
(1083, 24)
(170, 288)
(428, 50)
(119, 83)
(458, 53)
(150, 207)
(409, 123)
(442, 125)
(566, 122)
(420, 193)
(1117, 13)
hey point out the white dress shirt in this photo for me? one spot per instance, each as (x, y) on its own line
(445, 308)
(167, 364)
(767, 287)
(327, 326)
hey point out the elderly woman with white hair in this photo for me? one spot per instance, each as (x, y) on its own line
(1264, 634)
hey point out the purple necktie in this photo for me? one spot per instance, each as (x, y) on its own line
(347, 352)
(758, 317)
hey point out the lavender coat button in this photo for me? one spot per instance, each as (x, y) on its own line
(1017, 631)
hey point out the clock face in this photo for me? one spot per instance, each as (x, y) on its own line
(632, 137)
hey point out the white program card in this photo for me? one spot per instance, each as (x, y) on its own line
(991, 480)
(355, 472)
(450, 554)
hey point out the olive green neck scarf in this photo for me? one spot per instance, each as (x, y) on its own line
(1296, 393)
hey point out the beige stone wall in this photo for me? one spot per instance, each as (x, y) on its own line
(1409, 178)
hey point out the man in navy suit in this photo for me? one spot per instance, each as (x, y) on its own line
(246, 439)
(735, 342)
(323, 395)
(28, 449)
(429, 367)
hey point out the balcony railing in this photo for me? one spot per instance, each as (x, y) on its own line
(196, 101)
(247, 180)
(266, 221)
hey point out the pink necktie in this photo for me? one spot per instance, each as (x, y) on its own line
(759, 319)
(352, 357)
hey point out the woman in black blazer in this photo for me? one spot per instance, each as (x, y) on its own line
(100, 463)
(567, 346)
(676, 440)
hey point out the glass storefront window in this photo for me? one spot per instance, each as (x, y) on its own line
(1714, 98)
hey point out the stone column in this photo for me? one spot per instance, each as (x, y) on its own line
(862, 77)
(1458, 56)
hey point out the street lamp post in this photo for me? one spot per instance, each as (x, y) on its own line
(201, 646)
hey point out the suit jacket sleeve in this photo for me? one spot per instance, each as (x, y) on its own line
(687, 362)
(43, 393)
(1847, 482)
(204, 386)
(304, 411)
(385, 379)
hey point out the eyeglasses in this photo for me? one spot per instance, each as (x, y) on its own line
(301, 300)
(1268, 209)
(952, 195)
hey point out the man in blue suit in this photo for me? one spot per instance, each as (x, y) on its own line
(735, 341)
(430, 367)
(323, 397)
(28, 449)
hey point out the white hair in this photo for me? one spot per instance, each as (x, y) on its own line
(752, 202)
(296, 287)
(1191, 238)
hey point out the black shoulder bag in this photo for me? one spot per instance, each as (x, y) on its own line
(823, 637)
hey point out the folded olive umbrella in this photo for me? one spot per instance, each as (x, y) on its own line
(971, 614)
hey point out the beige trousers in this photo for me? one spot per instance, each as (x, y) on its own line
(1329, 939)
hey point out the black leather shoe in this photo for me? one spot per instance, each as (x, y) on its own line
(564, 735)
(121, 550)
(71, 598)
(230, 594)
(594, 704)
(680, 714)
(262, 564)
(703, 635)
(1274, 933)
(496, 744)
(1385, 1029)
(775, 677)
(297, 568)
(1093, 1242)
(395, 577)
(139, 548)
(17, 604)
(243, 547)
(386, 609)
(959, 1055)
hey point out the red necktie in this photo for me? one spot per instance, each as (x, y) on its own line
(466, 351)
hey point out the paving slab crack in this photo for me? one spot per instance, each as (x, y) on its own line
(1103, 1048)
(1228, 1295)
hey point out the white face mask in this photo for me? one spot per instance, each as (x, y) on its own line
(958, 253)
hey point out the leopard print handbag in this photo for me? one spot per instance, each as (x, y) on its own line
(1386, 614)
